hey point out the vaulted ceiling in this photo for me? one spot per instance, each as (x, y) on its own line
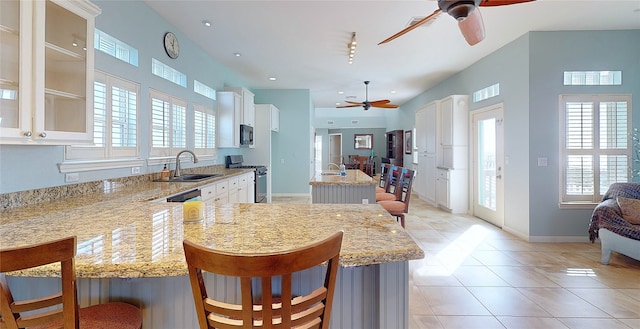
(303, 43)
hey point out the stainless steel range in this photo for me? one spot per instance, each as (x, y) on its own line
(260, 178)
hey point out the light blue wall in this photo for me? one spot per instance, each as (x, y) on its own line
(551, 54)
(529, 71)
(291, 146)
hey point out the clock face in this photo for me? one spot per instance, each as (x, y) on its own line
(171, 45)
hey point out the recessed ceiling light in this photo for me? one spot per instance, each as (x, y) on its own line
(338, 104)
(340, 92)
(206, 23)
(393, 91)
(273, 78)
(237, 54)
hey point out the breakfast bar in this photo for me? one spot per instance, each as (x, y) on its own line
(354, 187)
(130, 249)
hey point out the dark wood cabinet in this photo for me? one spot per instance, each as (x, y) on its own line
(395, 147)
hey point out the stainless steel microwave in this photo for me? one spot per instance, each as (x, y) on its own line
(246, 135)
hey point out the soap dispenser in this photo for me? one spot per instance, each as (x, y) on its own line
(165, 174)
(343, 170)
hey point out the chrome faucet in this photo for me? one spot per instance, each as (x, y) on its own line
(333, 164)
(176, 173)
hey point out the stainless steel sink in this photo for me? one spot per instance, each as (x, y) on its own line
(330, 173)
(192, 177)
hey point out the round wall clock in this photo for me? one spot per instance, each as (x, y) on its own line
(171, 45)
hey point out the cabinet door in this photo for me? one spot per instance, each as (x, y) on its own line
(15, 70)
(431, 128)
(63, 66)
(446, 122)
(275, 119)
(228, 119)
(442, 188)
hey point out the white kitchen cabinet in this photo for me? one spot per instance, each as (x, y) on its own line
(275, 119)
(216, 192)
(247, 114)
(452, 191)
(245, 194)
(427, 145)
(46, 71)
(454, 113)
(261, 154)
(233, 190)
(441, 139)
(228, 119)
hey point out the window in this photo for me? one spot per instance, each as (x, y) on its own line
(115, 121)
(116, 48)
(204, 90)
(168, 124)
(592, 78)
(168, 73)
(485, 93)
(204, 127)
(596, 146)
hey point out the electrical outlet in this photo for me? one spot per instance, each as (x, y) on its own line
(365, 201)
(542, 162)
(135, 170)
(71, 177)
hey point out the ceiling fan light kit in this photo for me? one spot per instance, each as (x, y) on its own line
(465, 12)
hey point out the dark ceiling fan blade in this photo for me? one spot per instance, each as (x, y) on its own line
(385, 106)
(354, 103)
(380, 101)
(472, 27)
(344, 106)
(411, 27)
(494, 3)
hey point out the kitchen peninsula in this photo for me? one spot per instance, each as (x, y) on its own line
(130, 248)
(329, 187)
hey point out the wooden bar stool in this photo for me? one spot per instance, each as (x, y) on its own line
(279, 310)
(67, 315)
(392, 189)
(400, 207)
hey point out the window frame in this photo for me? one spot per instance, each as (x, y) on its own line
(210, 150)
(108, 152)
(171, 149)
(595, 151)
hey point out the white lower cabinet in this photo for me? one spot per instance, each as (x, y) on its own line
(452, 193)
(238, 189)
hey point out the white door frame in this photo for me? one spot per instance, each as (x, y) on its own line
(496, 216)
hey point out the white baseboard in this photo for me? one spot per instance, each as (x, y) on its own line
(559, 239)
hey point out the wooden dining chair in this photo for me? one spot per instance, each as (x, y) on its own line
(59, 310)
(392, 189)
(400, 207)
(384, 173)
(277, 309)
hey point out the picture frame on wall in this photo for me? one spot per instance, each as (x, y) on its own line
(407, 142)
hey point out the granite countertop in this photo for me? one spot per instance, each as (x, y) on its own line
(121, 234)
(353, 177)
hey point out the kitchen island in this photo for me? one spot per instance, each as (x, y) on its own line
(355, 187)
(130, 249)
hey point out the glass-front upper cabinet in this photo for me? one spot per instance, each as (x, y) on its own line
(56, 45)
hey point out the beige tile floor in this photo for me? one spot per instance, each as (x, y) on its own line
(475, 275)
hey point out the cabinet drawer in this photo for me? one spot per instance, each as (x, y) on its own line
(222, 187)
(208, 191)
(244, 180)
(233, 184)
(443, 174)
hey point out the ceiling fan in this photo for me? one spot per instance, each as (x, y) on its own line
(467, 14)
(382, 103)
